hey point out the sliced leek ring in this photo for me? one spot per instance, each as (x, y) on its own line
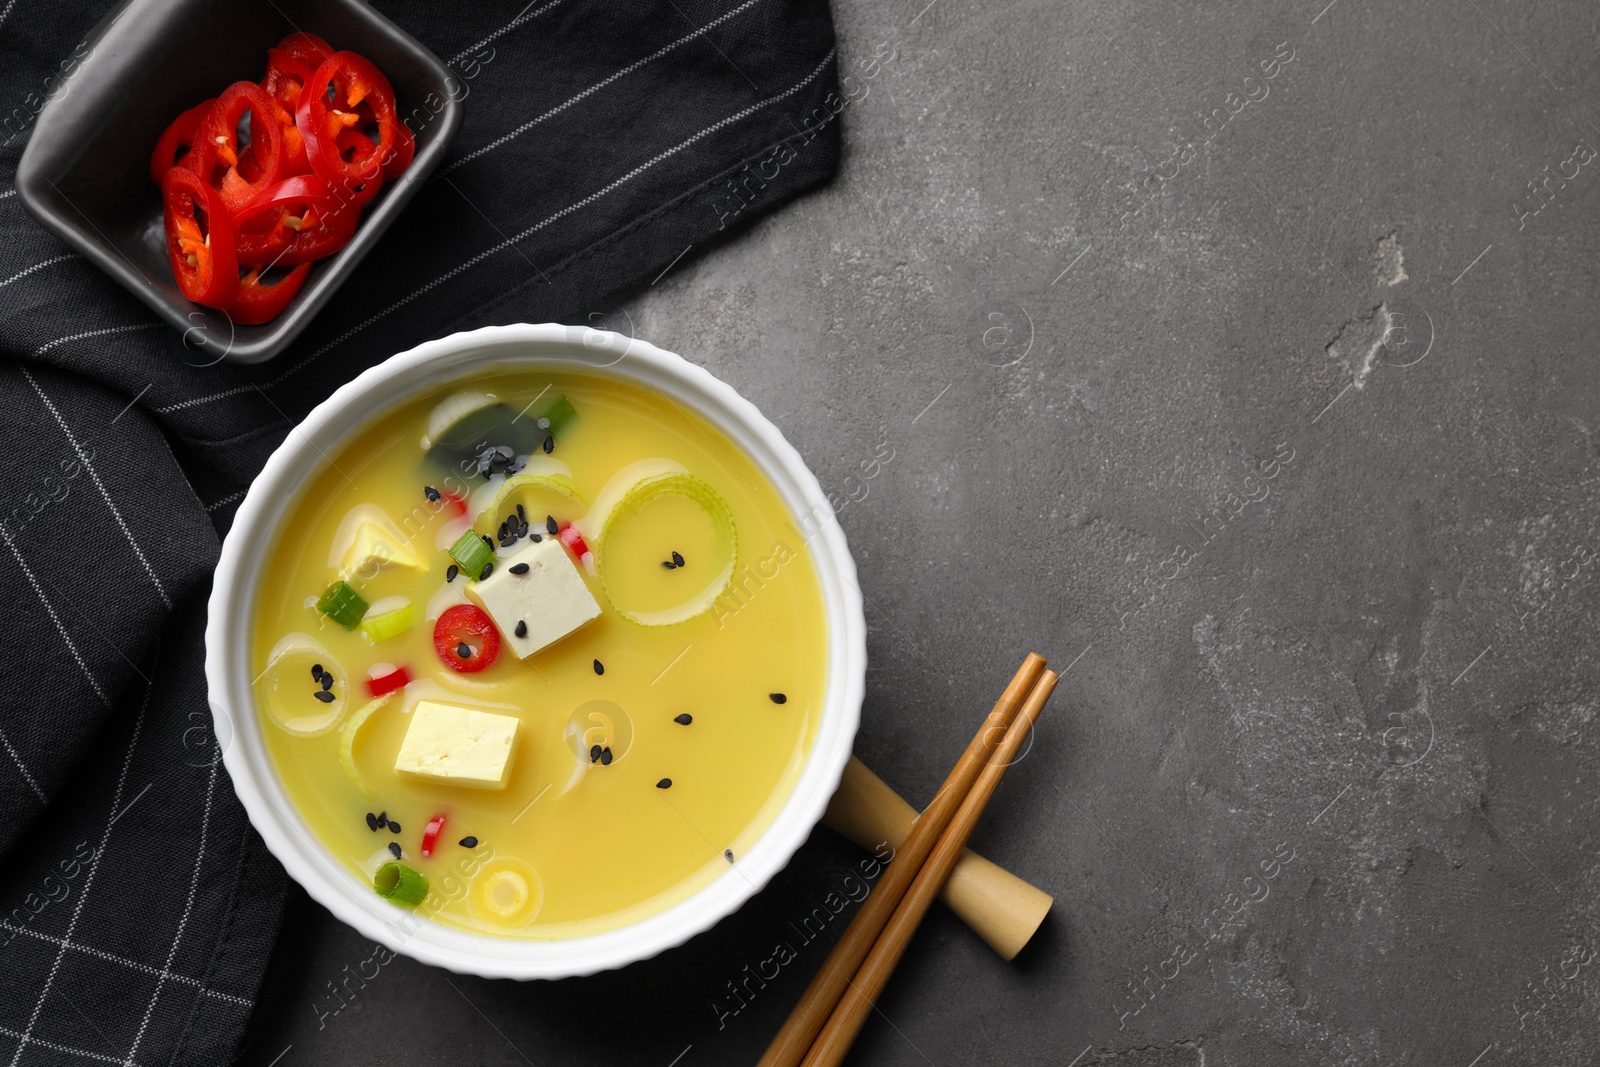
(287, 690)
(505, 500)
(645, 491)
(347, 739)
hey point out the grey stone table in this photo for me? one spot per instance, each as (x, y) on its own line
(1242, 358)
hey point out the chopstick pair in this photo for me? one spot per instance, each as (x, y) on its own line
(820, 1030)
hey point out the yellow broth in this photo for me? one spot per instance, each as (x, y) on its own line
(599, 845)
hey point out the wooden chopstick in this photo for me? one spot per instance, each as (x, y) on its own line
(818, 1001)
(857, 1001)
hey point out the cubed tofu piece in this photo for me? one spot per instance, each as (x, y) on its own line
(549, 598)
(458, 746)
(374, 548)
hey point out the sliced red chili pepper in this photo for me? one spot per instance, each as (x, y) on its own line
(430, 834)
(217, 157)
(569, 536)
(321, 118)
(176, 140)
(309, 49)
(257, 302)
(465, 639)
(284, 81)
(383, 684)
(456, 503)
(199, 239)
(295, 221)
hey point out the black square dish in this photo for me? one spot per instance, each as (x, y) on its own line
(85, 177)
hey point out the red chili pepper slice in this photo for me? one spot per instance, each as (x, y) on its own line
(569, 536)
(284, 81)
(383, 684)
(295, 221)
(216, 156)
(322, 117)
(465, 626)
(456, 503)
(309, 49)
(257, 302)
(176, 139)
(430, 834)
(199, 239)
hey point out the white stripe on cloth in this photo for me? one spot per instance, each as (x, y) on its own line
(48, 345)
(52, 1046)
(523, 17)
(94, 863)
(38, 590)
(183, 922)
(39, 266)
(509, 242)
(624, 72)
(135, 965)
(26, 775)
(94, 476)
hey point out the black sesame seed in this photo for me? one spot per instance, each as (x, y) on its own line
(777, 698)
(394, 827)
(383, 818)
(519, 568)
(324, 696)
(594, 753)
(372, 821)
(488, 569)
(684, 720)
(727, 854)
(327, 681)
(504, 530)
(671, 566)
(677, 560)
(508, 540)
(486, 540)
(394, 849)
(550, 525)
(665, 783)
(599, 668)
(316, 671)
(431, 493)
(451, 572)
(464, 650)
(522, 516)
(522, 629)
(469, 842)
(549, 444)
(536, 538)
(605, 757)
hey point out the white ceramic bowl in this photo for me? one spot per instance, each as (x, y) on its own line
(342, 416)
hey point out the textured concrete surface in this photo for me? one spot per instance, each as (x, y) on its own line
(1276, 425)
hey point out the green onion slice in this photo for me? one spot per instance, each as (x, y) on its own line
(347, 739)
(556, 417)
(381, 626)
(399, 884)
(343, 605)
(539, 495)
(702, 580)
(471, 553)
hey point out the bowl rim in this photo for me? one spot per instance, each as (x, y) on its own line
(341, 417)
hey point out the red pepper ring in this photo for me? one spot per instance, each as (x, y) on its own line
(178, 136)
(307, 48)
(217, 152)
(293, 222)
(256, 302)
(199, 239)
(321, 118)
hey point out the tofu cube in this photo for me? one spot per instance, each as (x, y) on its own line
(549, 598)
(374, 548)
(458, 746)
